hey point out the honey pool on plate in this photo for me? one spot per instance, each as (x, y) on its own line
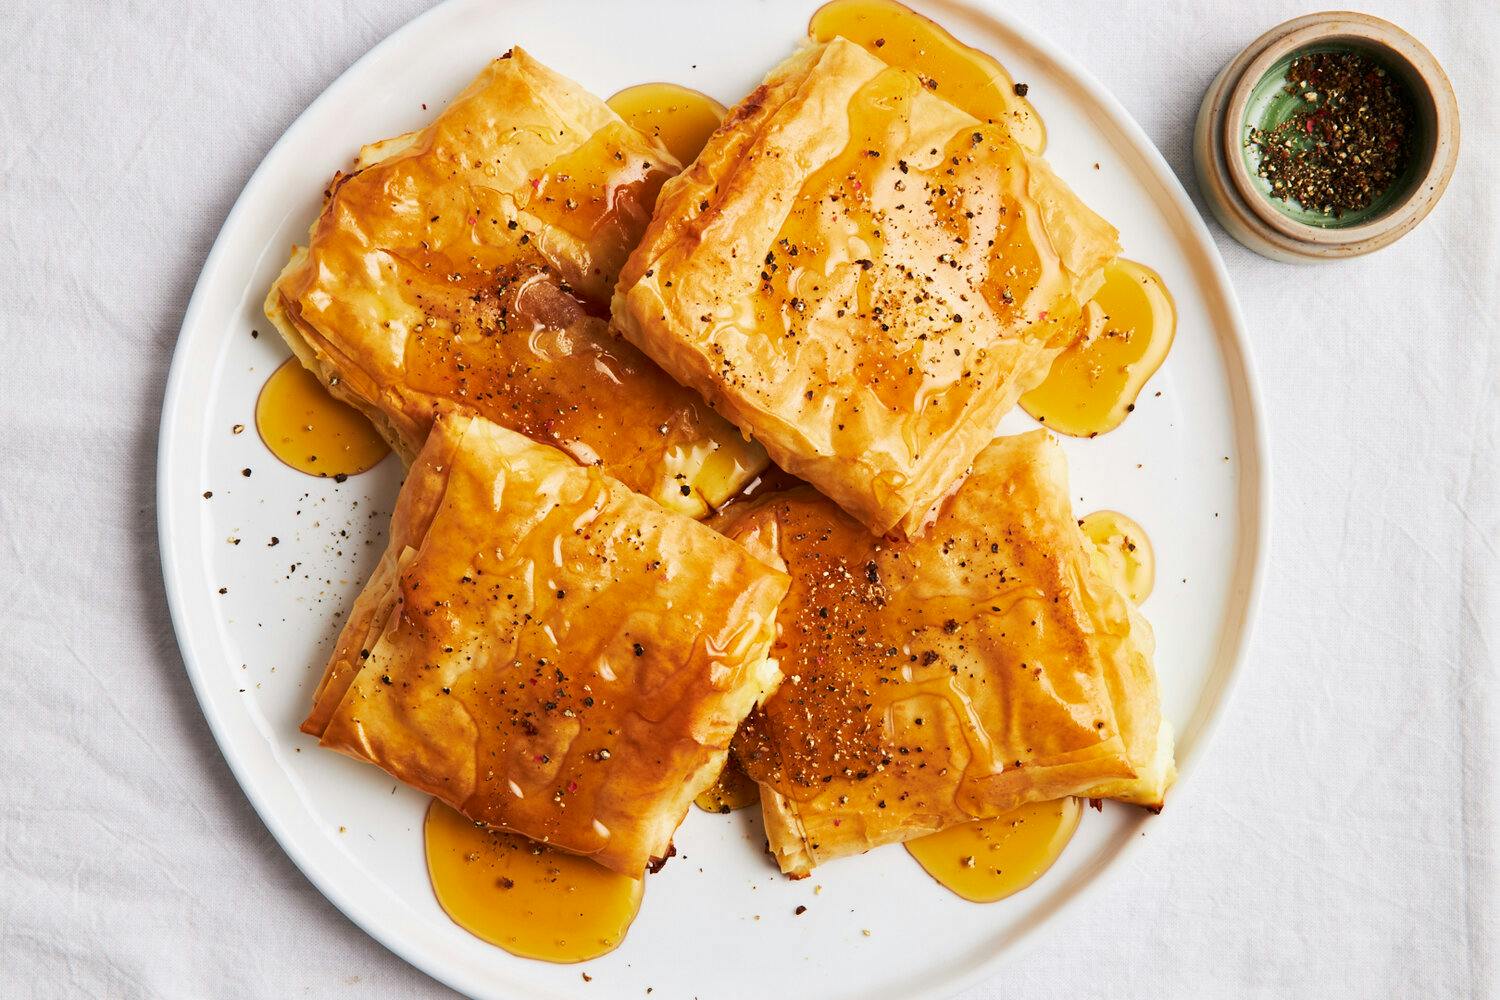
(733, 789)
(681, 118)
(1094, 384)
(311, 431)
(962, 75)
(1123, 553)
(523, 896)
(989, 859)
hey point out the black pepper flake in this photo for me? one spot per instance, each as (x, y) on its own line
(800, 910)
(245, 473)
(639, 649)
(1022, 89)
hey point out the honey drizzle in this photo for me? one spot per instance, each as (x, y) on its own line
(899, 323)
(516, 346)
(679, 118)
(856, 646)
(964, 76)
(1093, 385)
(530, 899)
(1123, 553)
(309, 430)
(495, 327)
(599, 194)
(989, 859)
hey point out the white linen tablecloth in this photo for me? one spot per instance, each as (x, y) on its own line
(1344, 841)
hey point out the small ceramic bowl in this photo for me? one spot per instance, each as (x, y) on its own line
(1245, 94)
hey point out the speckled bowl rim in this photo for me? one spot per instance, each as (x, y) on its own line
(1395, 45)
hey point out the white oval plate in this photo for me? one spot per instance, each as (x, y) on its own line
(1189, 464)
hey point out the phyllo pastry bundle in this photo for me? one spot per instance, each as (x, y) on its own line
(864, 278)
(547, 651)
(937, 681)
(472, 262)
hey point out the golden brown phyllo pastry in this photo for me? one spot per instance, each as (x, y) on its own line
(547, 651)
(864, 278)
(933, 682)
(472, 262)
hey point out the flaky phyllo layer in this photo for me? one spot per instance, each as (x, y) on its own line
(860, 276)
(471, 263)
(547, 651)
(864, 278)
(936, 681)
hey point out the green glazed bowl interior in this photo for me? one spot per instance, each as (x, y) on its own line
(1269, 105)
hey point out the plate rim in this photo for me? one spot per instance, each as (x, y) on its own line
(1251, 434)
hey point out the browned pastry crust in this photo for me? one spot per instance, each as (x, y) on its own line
(471, 262)
(547, 651)
(955, 677)
(864, 278)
